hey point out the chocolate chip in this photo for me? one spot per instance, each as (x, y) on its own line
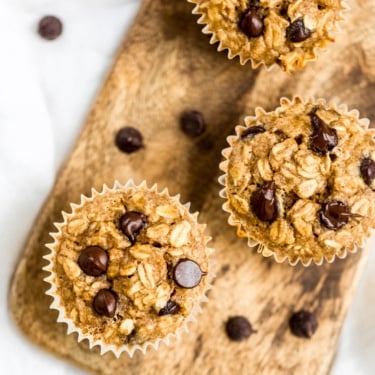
(263, 202)
(192, 123)
(303, 324)
(129, 140)
(50, 27)
(187, 273)
(297, 32)
(238, 328)
(93, 261)
(105, 303)
(171, 308)
(251, 23)
(335, 214)
(323, 138)
(367, 169)
(252, 131)
(132, 223)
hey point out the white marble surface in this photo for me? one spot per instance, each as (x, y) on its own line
(45, 91)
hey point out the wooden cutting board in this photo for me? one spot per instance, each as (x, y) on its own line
(164, 67)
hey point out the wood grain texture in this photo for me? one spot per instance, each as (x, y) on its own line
(165, 66)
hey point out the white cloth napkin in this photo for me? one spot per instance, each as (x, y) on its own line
(46, 88)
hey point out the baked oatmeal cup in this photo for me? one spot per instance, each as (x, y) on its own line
(129, 267)
(299, 181)
(287, 33)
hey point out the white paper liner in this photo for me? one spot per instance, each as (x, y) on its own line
(57, 305)
(254, 64)
(262, 249)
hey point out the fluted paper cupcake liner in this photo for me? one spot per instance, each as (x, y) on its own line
(241, 232)
(58, 305)
(222, 46)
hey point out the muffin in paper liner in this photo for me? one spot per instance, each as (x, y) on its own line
(271, 32)
(299, 181)
(129, 268)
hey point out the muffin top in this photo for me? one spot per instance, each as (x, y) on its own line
(129, 265)
(271, 31)
(300, 180)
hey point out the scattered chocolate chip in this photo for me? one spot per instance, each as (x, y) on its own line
(238, 328)
(170, 308)
(297, 32)
(252, 131)
(251, 23)
(187, 273)
(105, 303)
(367, 169)
(129, 139)
(192, 123)
(132, 223)
(93, 261)
(303, 324)
(263, 202)
(335, 214)
(323, 138)
(50, 27)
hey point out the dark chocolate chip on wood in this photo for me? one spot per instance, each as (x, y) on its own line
(50, 27)
(323, 138)
(367, 169)
(296, 32)
(192, 123)
(252, 131)
(303, 324)
(105, 303)
(129, 140)
(171, 308)
(132, 223)
(263, 202)
(335, 214)
(187, 273)
(238, 328)
(93, 261)
(251, 23)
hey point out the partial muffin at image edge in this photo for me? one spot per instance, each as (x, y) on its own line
(299, 181)
(129, 267)
(283, 33)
